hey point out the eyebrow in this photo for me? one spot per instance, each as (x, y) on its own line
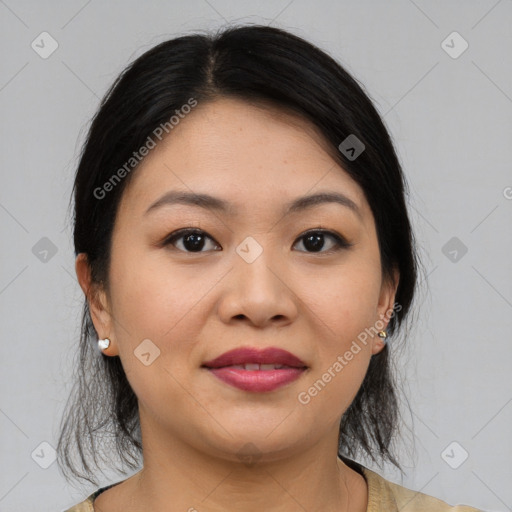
(214, 203)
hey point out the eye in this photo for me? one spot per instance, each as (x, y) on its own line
(314, 241)
(194, 240)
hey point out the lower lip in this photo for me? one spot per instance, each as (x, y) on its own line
(257, 380)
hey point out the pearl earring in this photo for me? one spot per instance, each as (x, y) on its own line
(103, 344)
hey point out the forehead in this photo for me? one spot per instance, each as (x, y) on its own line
(250, 155)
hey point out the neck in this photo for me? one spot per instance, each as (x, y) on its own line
(177, 476)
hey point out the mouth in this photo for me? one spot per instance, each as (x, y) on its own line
(256, 370)
(253, 367)
(254, 359)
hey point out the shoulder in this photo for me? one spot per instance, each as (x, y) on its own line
(386, 495)
(84, 506)
(87, 504)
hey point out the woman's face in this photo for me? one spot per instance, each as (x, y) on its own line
(254, 279)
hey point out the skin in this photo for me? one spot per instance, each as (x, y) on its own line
(195, 306)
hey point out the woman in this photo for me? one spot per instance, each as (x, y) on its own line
(244, 247)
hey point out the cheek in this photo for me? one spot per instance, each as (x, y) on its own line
(151, 295)
(332, 384)
(344, 308)
(160, 323)
(153, 301)
(346, 302)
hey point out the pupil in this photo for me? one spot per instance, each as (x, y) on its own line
(315, 242)
(197, 245)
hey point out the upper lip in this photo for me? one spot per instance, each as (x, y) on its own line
(270, 355)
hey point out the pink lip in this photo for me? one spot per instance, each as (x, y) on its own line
(256, 380)
(269, 355)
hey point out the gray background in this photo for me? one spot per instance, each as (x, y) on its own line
(451, 121)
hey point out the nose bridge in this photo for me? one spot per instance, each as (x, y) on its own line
(258, 289)
(258, 266)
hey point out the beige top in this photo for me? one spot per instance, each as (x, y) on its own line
(383, 495)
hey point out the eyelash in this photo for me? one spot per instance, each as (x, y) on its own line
(340, 242)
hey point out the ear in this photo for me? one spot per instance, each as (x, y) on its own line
(385, 308)
(98, 303)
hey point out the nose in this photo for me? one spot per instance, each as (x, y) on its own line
(258, 293)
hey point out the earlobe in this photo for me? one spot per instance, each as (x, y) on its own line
(378, 348)
(380, 343)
